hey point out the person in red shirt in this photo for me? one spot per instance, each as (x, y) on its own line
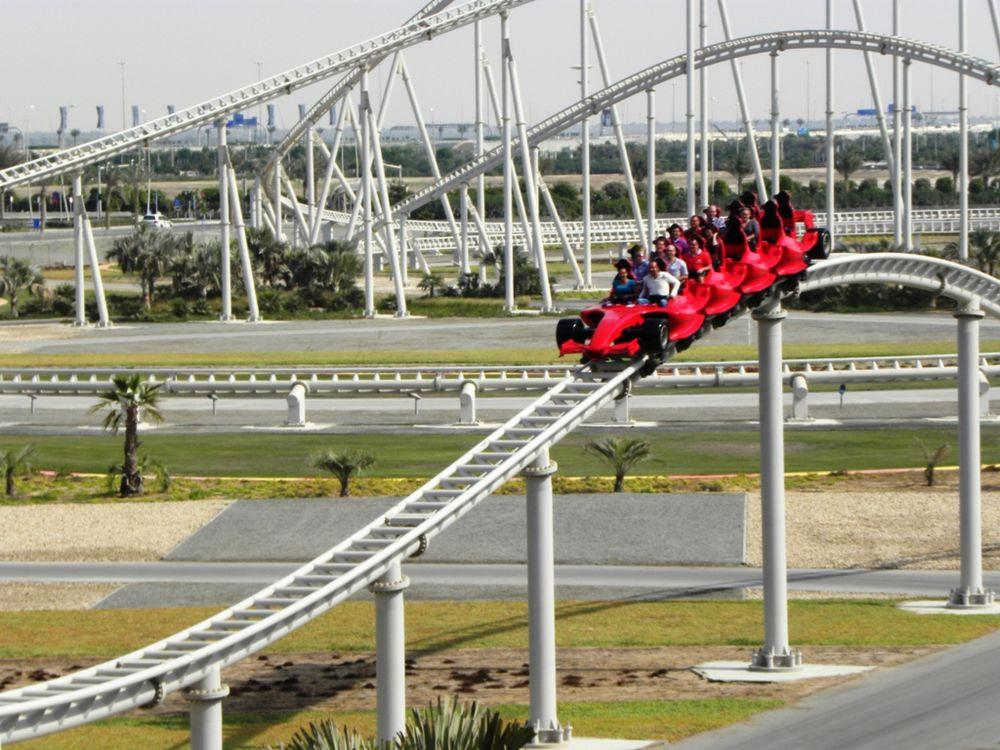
(697, 259)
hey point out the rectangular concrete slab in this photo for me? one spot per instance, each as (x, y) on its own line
(617, 529)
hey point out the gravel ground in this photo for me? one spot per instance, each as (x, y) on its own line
(18, 597)
(871, 528)
(105, 532)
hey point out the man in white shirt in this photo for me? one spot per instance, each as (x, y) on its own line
(658, 286)
(674, 265)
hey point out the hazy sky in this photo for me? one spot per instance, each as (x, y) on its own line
(185, 51)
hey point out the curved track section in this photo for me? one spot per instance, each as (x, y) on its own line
(419, 30)
(144, 676)
(638, 83)
(953, 280)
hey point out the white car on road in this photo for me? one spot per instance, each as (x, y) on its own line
(156, 221)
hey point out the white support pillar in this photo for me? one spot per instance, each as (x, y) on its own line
(390, 653)
(995, 18)
(236, 206)
(375, 144)
(741, 98)
(984, 395)
(775, 129)
(463, 215)
(224, 239)
(831, 177)
(907, 160)
(542, 602)
(206, 711)
(588, 278)
(279, 233)
(404, 255)
(508, 186)
(80, 316)
(307, 142)
(800, 398)
(689, 114)
(561, 231)
(621, 415)
(480, 123)
(775, 652)
(103, 320)
(703, 105)
(296, 403)
(467, 403)
(366, 197)
(537, 243)
(963, 144)
(970, 592)
(651, 166)
(877, 100)
(897, 144)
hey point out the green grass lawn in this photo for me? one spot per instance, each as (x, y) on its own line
(508, 354)
(440, 626)
(664, 720)
(282, 455)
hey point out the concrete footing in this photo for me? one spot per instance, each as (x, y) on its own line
(740, 671)
(944, 607)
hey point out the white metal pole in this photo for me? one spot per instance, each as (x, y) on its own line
(206, 711)
(480, 125)
(689, 73)
(963, 144)
(651, 165)
(907, 160)
(541, 601)
(390, 653)
(775, 132)
(744, 108)
(307, 142)
(897, 144)
(375, 144)
(775, 653)
(508, 187)
(366, 196)
(236, 206)
(331, 168)
(616, 125)
(831, 179)
(703, 102)
(80, 318)
(995, 18)
(530, 189)
(103, 321)
(588, 278)
(224, 239)
(877, 99)
(404, 266)
(561, 231)
(463, 212)
(970, 591)
(279, 233)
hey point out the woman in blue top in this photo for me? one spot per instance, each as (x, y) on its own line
(623, 286)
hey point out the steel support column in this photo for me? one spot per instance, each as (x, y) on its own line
(970, 591)
(390, 653)
(651, 167)
(542, 601)
(80, 316)
(224, 239)
(703, 103)
(831, 178)
(103, 320)
(508, 186)
(206, 711)
(907, 160)
(897, 144)
(588, 279)
(236, 208)
(963, 144)
(775, 653)
(366, 197)
(775, 133)
(480, 124)
(689, 73)
(463, 217)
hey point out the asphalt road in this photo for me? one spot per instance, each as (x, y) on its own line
(946, 701)
(694, 580)
(458, 334)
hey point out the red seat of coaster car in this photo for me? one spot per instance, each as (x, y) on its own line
(791, 256)
(723, 294)
(757, 276)
(683, 316)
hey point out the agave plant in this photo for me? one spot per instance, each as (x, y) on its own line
(450, 725)
(325, 735)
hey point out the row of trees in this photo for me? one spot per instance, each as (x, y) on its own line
(319, 276)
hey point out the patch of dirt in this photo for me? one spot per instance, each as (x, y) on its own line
(19, 597)
(344, 682)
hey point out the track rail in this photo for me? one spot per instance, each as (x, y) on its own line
(171, 664)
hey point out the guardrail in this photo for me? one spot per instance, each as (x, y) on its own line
(294, 384)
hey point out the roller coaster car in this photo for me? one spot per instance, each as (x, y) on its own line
(613, 331)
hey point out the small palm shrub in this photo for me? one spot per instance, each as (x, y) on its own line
(621, 455)
(344, 466)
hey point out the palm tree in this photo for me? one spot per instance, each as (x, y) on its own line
(16, 462)
(344, 466)
(74, 134)
(949, 160)
(270, 257)
(112, 192)
(146, 253)
(430, 282)
(195, 269)
(18, 276)
(621, 454)
(984, 250)
(848, 161)
(739, 167)
(128, 402)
